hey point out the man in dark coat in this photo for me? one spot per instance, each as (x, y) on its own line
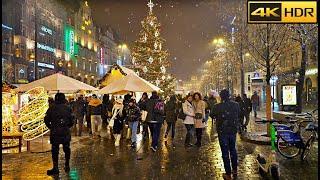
(79, 109)
(171, 111)
(59, 120)
(248, 106)
(154, 119)
(226, 114)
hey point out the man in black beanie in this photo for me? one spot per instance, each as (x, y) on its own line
(59, 120)
(226, 114)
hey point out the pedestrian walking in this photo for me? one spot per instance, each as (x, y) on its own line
(143, 105)
(95, 111)
(155, 109)
(243, 110)
(248, 107)
(227, 120)
(255, 100)
(212, 101)
(87, 115)
(199, 110)
(171, 113)
(188, 110)
(79, 110)
(106, 109)
(59, 120)
(117, 120)
(207, 110)
(133, 116)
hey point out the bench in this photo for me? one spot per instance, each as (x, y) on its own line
(13, 136)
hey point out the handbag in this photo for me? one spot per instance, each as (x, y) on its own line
(111, 122)
(182, 115)
(144, 115)
(198, 116)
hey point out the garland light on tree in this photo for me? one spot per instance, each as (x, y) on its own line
(149, 58)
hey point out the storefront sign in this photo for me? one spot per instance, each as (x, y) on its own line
(289, 95)
(46, 30)
(45, 47)
(46, 65)
(311, 71)
(101, 56)
(69, 39)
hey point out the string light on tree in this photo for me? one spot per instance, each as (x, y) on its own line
(149, 50)
(32, 114)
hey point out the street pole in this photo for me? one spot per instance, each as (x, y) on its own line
(35, 41)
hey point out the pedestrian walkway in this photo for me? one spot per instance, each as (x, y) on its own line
(99, 159)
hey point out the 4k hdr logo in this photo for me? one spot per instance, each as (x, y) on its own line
(282, 11)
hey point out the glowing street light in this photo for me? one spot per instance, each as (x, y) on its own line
(247, 54)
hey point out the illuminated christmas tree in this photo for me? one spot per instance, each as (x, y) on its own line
(148, 55)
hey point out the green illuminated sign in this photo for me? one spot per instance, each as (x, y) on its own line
(70, 46)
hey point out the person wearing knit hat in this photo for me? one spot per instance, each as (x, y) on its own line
(227, 115)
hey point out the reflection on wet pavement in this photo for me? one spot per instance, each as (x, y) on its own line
(99, 159)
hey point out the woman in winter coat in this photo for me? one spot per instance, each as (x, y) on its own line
(117, 119)
(171, 109)
(188, 110)
(199, 109)
(143, 105)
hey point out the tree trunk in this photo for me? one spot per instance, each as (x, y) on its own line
(300, 81)
(242, 72)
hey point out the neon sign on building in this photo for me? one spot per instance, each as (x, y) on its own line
(69, 38)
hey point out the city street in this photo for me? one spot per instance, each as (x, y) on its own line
(70, 67)
(99, 159)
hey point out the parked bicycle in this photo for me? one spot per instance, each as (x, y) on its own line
(290, 142)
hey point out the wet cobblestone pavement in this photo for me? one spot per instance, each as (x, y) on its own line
(99, 159)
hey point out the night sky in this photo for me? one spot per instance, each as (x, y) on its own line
(187, 25)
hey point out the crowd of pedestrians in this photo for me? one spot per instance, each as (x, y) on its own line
(230, 114)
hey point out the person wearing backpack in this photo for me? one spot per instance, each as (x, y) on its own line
(227, 115)
(155, 117)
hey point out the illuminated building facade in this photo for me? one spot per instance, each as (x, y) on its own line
(41, 20)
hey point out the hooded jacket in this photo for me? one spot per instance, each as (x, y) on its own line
(95, 107)
(59, 120)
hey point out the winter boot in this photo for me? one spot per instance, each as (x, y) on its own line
(54, 170)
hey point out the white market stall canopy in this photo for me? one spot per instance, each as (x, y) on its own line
(130, 82)
(57, 82)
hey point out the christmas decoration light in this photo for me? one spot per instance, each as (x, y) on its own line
(32, 114)
(150, 59)
(148, 50)
(9, 120)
